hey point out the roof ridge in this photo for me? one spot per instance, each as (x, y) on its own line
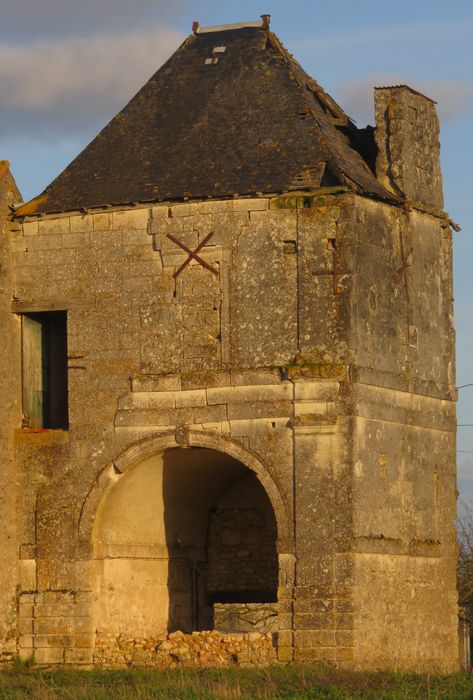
(262, 23)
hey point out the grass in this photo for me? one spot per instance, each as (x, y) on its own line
(275, 683)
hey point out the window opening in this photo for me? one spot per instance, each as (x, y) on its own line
(44, 369)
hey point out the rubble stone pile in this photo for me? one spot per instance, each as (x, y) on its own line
(179, 650)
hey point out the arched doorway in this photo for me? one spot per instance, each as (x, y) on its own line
(180, 533)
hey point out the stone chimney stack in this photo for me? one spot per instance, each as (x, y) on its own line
(407, 137)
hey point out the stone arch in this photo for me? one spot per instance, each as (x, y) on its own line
(183, 437)
(141, 505)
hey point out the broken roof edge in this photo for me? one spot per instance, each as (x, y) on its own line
(262, 23)
(24, 212)
(306, 81)
(407, 87)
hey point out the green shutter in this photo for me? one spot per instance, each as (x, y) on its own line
(32, 359)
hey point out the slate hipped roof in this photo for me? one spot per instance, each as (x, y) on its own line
(231, 113)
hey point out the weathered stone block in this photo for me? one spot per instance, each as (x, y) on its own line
(181, 416)
(218, 205)
(315, 654)
(25, 626)
(26, 654)
(152, 417)
(309, 391)
(162, 400)
(258, 376)
(160, 212)
(45, 240)
(82, 223)
(259, 409)
(28, 575)
(79, 657)
(102, 221)
(314, 638)
(285, 654)
(53, 227)
(47, 655)
(184, 210)
(151, 384)
(25, 641)
(314, 621)
(250, 204)
(26, 610)
(53, 626)
(30, 228)
(83, 597)
(196, 397)
(130, 219)
(205, 379)
(19, 245)
(75, 240)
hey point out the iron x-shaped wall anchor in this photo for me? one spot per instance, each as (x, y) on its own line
(336, 272)
(193, 254)
(405, 263)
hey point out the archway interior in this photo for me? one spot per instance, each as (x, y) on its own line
(179, 533)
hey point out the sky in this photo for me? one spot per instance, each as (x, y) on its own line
(67, 66)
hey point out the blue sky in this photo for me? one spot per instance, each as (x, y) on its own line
(66, 67)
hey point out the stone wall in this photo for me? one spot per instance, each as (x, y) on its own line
(241, 554)
(10, 418)
(330, 365)
(246, 617)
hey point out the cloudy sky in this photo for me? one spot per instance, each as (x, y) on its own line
(67, 66)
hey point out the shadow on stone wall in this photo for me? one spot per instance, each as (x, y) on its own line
(220, 533)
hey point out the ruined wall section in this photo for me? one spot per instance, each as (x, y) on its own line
(407, 139)
(10, 418)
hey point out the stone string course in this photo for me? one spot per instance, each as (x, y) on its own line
(179, 650)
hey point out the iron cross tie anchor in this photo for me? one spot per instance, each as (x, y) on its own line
(405, 263)
(193, 254)
(335, 272)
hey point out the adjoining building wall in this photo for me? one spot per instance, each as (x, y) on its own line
(10, 417)
(309, 347)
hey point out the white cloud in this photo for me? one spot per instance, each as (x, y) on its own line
(454, 98)
(27, 19)
(68, 85)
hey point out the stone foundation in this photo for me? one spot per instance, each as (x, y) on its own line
(179, 650)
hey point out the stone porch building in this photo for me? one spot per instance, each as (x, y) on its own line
(227, 368)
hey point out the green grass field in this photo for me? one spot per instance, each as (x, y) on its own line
(281, 683)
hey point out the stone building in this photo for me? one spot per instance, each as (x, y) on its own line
(228, 381)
